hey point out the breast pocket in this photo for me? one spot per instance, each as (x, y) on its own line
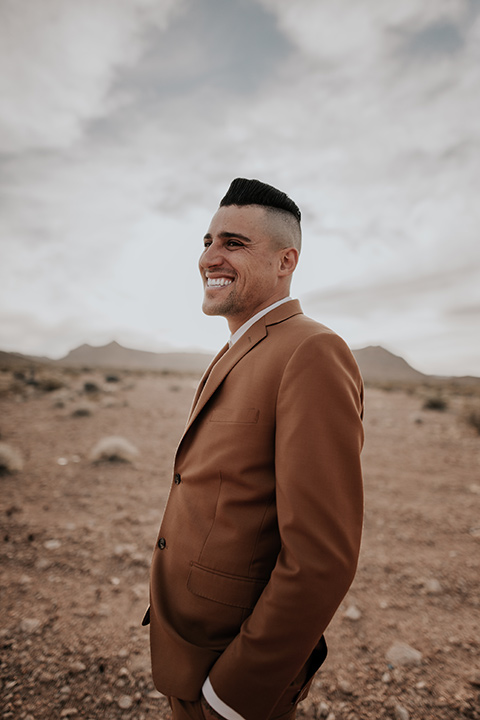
(235, 415)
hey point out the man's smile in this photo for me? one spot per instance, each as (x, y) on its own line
(218, 281)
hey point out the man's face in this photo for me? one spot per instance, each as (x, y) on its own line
(240, 266)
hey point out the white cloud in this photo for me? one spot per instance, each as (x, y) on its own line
(58, 60)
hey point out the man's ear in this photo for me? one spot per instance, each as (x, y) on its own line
(288, 260)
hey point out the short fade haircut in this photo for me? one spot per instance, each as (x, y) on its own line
(286, 230)
(254, 192)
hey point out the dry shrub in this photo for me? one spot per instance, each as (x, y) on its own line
(472, 417)
(49, 383)
(10, 459)
(113, 449)
(90, 387)
(111, 378)
(84, 409)
(435, 402)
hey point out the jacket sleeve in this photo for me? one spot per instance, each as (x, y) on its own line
(319, 497)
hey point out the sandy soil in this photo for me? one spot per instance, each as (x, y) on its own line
(77, 539)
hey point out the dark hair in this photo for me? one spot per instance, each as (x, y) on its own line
(254, 192)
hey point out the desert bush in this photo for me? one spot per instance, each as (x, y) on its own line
(435, 402)
(90, 387)
(10, 459)
(113, 449)
(84, 409)
(472, 418)
(112, 378)
(49, 383)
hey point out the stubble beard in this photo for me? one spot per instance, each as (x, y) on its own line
(227, 307)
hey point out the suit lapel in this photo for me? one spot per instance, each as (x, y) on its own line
(227, 358)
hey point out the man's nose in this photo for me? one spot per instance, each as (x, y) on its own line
(212, 255)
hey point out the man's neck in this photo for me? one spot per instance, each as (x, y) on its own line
(248, 323)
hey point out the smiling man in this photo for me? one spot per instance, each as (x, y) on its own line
(260, 537)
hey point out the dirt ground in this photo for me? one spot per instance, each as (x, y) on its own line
(77, 539)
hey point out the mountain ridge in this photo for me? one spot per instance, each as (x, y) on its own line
(377, 364)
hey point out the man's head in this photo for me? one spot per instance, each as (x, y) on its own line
(251, 251)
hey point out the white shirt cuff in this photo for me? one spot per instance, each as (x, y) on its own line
(212, 699)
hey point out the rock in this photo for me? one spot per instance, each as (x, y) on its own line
(474, 679)
(52, 544)
(345, 687)
(432, 586)
(401, 713)
(125, 702)
(30, 625)
(68, 712)
(386, 678)
(352, 613)
(402, 654)
(323, 710)
(77, 667)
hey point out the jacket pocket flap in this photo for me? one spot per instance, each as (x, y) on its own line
(233, 590)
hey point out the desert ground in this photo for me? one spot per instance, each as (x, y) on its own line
(77, 537)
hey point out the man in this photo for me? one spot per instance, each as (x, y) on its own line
(260, 537)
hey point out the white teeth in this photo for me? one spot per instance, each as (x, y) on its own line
(218, 282)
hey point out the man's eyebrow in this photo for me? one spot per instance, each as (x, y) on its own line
(227, 235)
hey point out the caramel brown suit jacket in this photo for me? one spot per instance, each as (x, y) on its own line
(260, 537)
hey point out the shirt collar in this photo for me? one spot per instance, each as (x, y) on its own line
(246, 325)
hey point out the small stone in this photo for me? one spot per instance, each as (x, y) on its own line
(386, 678)
(77, 667)
(68, 712)
(52, 545)
(43, 564)
(65, 690)
(352, 613)
(401, 713)
(331, 716)
(125, 702)
(345, 687)
(153, 695)
(432, 587)
(30, 625)
(323, 710)
(402, 654)
(474, 679)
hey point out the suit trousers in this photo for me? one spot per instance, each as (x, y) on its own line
(185, 710)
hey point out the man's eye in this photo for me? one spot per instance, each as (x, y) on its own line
(206, 243)
(234, 243)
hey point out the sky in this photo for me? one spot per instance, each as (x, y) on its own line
(123, 122)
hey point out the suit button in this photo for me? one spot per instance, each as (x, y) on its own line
(177, 479)
(162, 543)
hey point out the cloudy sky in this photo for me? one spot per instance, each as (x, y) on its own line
(122, 123)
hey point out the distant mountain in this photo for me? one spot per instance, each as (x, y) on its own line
(376, 364)
(380, 365)
(17, 361)
(114, 355)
